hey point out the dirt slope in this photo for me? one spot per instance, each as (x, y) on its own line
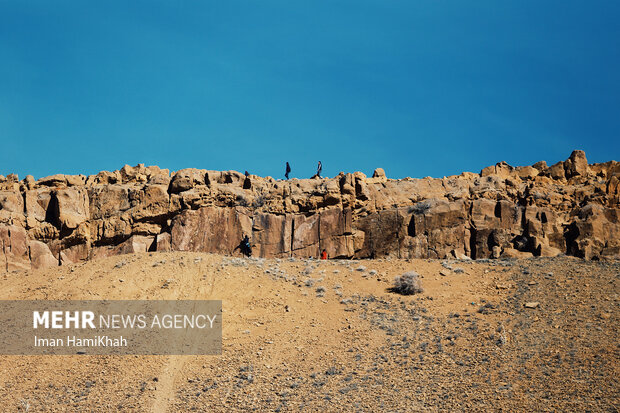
(329, 336)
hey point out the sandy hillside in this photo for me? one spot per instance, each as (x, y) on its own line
(330, 336)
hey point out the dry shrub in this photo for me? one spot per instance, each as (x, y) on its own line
(408, 283)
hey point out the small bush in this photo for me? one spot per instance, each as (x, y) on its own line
(242, 201)
(420, 207)
(408, 283)
(259, 201)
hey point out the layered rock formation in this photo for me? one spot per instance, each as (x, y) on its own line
(570, 207)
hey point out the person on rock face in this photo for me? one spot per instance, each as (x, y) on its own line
(244, 246)
(288, 170)
(319, 169)
(323, 254)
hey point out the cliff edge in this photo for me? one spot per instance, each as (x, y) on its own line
(571, 207)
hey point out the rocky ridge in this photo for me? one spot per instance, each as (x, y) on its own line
(570, 208)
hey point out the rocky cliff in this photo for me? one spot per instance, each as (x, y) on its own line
(570, 207)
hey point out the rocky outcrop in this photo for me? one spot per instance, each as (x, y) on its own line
(570, 207)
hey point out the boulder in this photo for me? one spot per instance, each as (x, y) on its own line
(513, 253)
(378, 173)
(133, 244)
(576, 164)
(37, 203)
(556, 171)
(152, 202)
(496, 251)
(162, 242)
(58, 180)
(501, 169)
(527, 172)
(110, 230)
(29, 182)
(186, 179)
(40, 255)
(106, 201)
(223, 178)
(541, 166)
(104, 178)
(136, 243)
(70, 207)
(347, 184)
(547, 251)
(75, 180)
(71, 254)
(613, 190)
(11, 207)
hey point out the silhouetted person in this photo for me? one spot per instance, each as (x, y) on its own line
(288, 170)
(319, 169)
(244, 246)
(247, 183)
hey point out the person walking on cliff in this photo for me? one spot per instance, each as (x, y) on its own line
(288, 170)
(319, 169)
(247, 183)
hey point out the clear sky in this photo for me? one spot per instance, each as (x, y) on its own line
(424, 87)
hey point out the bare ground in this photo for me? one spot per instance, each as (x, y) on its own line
(330, 336)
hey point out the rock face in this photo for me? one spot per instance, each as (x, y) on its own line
(504, 211)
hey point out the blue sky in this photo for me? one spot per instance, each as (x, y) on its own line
(419, 88)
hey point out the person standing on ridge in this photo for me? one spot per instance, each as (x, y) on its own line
(319, 169)
(288, 170)
(247, 183)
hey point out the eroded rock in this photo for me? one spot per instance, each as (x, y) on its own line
(568, 208)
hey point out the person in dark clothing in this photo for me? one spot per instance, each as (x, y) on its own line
(244, 246)
(247, 183)
(319, 169)
(288, 170)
